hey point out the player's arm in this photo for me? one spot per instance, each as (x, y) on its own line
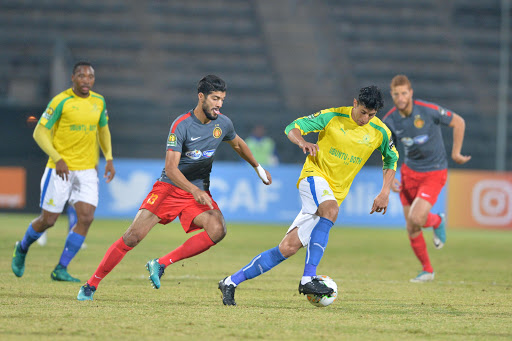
(304, 125)
(396, 186)
(389, 163)
(459, 126)
(241, 148)
(380, 204)
(106, 148)
(172, 160)
(295, 136)
(43, 138)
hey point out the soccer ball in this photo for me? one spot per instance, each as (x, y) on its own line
(324, 301)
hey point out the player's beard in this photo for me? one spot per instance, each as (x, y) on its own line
(403, 105)
(209, 116)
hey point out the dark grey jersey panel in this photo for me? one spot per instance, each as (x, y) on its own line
(197, 143)
(420, 134)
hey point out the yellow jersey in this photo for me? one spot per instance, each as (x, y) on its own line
(74, 123)
(344, 147)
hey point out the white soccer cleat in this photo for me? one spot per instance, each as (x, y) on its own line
(423, 277)
(43, 239)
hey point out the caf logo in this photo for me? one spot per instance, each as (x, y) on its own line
(418, 122)
(217, 132)
(172, 140)
(48, 113)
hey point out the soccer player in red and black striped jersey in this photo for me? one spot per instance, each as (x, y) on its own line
(183, 188)
(416, 124)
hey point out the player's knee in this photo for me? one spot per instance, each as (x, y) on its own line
(331, 213)
(289, 246)
(132, 239)
(216, 230)
(85, 220)
(412, 229)
(416, 220)
(288, 250)
(328, 209)
(48, 221)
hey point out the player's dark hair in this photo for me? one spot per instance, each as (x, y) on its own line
(211, 83)
(80, 63)
(371, 97)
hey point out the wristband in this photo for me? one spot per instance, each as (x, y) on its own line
(261, 173)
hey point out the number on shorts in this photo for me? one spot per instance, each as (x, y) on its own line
(152, 199)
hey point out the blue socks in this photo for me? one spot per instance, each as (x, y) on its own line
(30, 236)
(71, 248)
(316, 246)
(259, 265)
(72, 218)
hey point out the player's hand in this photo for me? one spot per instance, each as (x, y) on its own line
(110, 172)
(312, 148)
(263, 174)
(62, 170)
(461, 159)
(202, 198)
(380, 204)
(269, 178)
(396, 186)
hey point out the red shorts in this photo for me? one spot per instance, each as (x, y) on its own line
(425, 185)
(168, 202)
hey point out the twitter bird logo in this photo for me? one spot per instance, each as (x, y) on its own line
(128, 194)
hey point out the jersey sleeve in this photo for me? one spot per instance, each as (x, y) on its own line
(230, 130)
(103, 116)
(391, 126)
(53, 112)
(442, 115)
(177, 135)
(387, 149)
(313, 123)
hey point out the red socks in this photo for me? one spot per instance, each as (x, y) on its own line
(193, 246)
(112, 257)
(420, 250)
(433, 220)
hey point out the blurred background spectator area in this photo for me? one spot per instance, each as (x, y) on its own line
(280, 59)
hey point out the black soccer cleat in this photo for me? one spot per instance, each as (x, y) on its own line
(315, 287)
(228, 293)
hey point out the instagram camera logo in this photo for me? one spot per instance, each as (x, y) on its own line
(492, 202)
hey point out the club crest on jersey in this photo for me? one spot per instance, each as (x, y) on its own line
(172, 140)
(365, 140)
(194, 154)
(217, 132)
(418, 122)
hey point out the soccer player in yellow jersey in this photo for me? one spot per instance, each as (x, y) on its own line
(347, 137)
(69, 131)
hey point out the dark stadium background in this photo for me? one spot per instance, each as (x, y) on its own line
(280, 59)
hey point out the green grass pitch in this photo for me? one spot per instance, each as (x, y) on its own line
(471, 298)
